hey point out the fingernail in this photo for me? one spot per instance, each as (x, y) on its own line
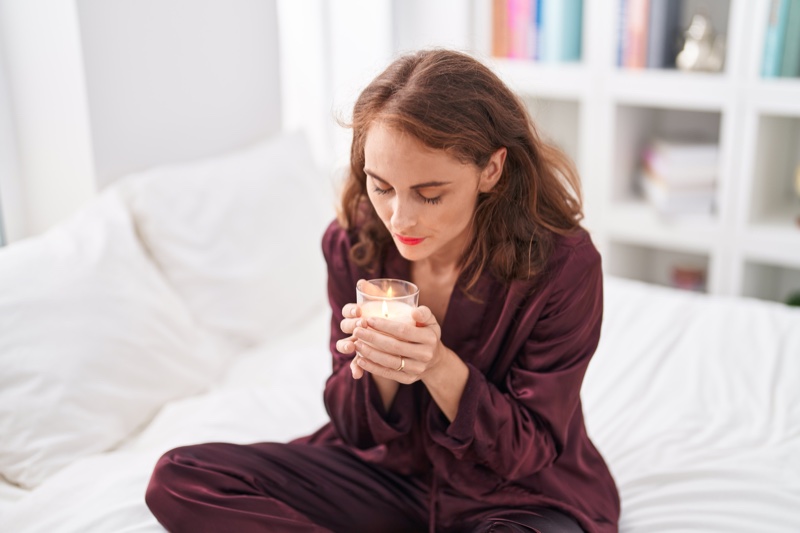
(353, 312)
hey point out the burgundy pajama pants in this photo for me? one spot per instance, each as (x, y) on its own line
(273, 487)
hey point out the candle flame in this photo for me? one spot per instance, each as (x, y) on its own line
(389, 292)
(385, 309)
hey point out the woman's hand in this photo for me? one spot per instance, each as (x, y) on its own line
(407, 353)
(396, 350)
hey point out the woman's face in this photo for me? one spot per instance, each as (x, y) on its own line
(425, 197)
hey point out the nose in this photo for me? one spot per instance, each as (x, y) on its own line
(404, 216)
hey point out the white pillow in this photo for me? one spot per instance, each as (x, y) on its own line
(93, 342)
(239, 235)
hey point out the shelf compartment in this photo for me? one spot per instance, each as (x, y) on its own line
(557, 121)
(651, 264)
(636, 126)
(769, 282)
(774, 204)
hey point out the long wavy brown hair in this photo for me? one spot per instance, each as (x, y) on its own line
(452, 102)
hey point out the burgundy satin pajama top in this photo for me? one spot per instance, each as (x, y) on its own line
(519, 436)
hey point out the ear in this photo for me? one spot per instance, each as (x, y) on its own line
(491, 173)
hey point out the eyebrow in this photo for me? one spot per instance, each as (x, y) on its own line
(415, 187)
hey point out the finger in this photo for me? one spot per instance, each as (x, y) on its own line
(356, 370)
(424, 316)
(347, 325)
(386, 343)
(385, 360)
(401, 330)
(345, 346)
(369, 288)
(351, 311)
(372, 367)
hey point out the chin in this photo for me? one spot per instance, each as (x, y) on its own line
(412, 253)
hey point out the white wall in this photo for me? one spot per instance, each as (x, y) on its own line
(361, 48)
(432, 23)
(331, 49)
(174, 80)
(12, 224)
(41, 42)
(100, 88)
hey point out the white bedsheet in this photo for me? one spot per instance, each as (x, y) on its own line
(272, 393)
(694, 401)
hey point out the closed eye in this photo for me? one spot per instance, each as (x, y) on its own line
(382, 191)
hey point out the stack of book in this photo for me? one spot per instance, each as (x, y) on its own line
(680, 177)
(541, 30)
(782, 40)
(649, 33)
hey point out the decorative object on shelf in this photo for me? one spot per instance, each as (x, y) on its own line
(794, 299)
(689, 278)
(679, 177)
(703, 49)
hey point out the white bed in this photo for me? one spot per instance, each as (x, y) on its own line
(693, 400)
(165, 313)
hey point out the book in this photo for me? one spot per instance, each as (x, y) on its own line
(682, 164)
(533, 29)
(573, 30)
(518, 24)
(672, 200)
(622, 33)
(637, 19)
(500, 33)
(561, 29)
(790, 61)
(662, 33)
(774, 38)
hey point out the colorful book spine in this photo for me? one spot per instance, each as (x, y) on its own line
(572, 30)
(539, 30)
(662, 33)
(518, 24)
(562, 22)
(790, 60)
(500, 33)
(622, 33)
(774, 38)
(533, 30)
(637, 34)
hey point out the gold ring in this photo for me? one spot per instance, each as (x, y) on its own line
(402, 364)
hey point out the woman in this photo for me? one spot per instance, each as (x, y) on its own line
(471, 420)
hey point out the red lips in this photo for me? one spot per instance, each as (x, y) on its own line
(410, 241)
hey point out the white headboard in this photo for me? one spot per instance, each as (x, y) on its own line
(179, 79)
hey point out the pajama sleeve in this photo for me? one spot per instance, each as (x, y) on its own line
(354, 405)
(522, 429)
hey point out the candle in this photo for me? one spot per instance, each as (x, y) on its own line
(393, 299)
(389, 309)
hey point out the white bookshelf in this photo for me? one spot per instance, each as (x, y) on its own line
(602, 115)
